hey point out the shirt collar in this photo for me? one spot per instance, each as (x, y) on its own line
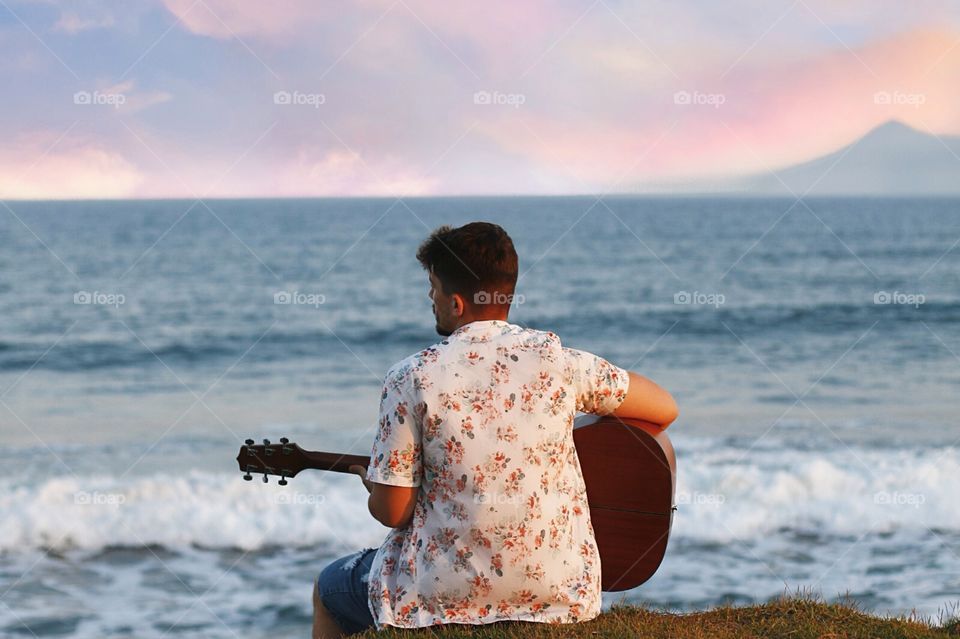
(480, 330)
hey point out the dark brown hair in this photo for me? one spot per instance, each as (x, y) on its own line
(471, 260)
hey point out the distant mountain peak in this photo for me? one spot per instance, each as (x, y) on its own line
(891, 126)
(890, 159)
(894, 132)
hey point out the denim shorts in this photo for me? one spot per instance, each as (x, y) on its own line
(342, 588)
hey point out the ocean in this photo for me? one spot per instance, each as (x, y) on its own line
(813, 348)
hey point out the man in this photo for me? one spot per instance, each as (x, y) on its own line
(474, 467)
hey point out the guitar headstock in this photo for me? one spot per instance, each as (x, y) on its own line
(284, 459)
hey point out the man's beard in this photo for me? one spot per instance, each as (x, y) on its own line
(442, 331)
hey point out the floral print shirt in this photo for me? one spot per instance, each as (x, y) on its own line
(482, 422)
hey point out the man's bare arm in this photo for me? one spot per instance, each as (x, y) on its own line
(392, 506)
(648, 402)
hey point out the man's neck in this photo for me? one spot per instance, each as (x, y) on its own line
(466, 319)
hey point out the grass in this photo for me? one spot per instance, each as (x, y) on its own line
(798, 617)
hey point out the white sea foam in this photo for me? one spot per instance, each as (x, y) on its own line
(192, 509)
(727, 493)
(723, 493)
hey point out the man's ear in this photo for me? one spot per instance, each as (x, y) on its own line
(459, 305)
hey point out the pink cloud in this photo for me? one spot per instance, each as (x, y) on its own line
(342, 172)
(483, 41)
(816, 105)
(225, 19)
(37, 166)
(770, 116)
(598, 87)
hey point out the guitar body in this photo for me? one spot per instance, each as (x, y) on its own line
(629, 467)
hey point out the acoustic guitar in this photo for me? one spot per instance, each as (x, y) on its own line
(629, 467)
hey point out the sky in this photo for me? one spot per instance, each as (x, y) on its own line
(246, 98)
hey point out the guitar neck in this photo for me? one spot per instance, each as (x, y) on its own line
(336, 462)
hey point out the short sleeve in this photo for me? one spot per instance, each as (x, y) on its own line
(396, 456)
(599, 385)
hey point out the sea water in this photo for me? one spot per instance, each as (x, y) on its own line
(813, 348)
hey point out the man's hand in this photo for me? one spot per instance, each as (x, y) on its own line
(357, 469)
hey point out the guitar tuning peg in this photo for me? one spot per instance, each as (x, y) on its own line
(265, 479)
(283, 481)
(247, 477)
(284, 441)
(266, 442)
(249, 442)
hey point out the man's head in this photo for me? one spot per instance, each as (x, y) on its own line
(473, 273)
